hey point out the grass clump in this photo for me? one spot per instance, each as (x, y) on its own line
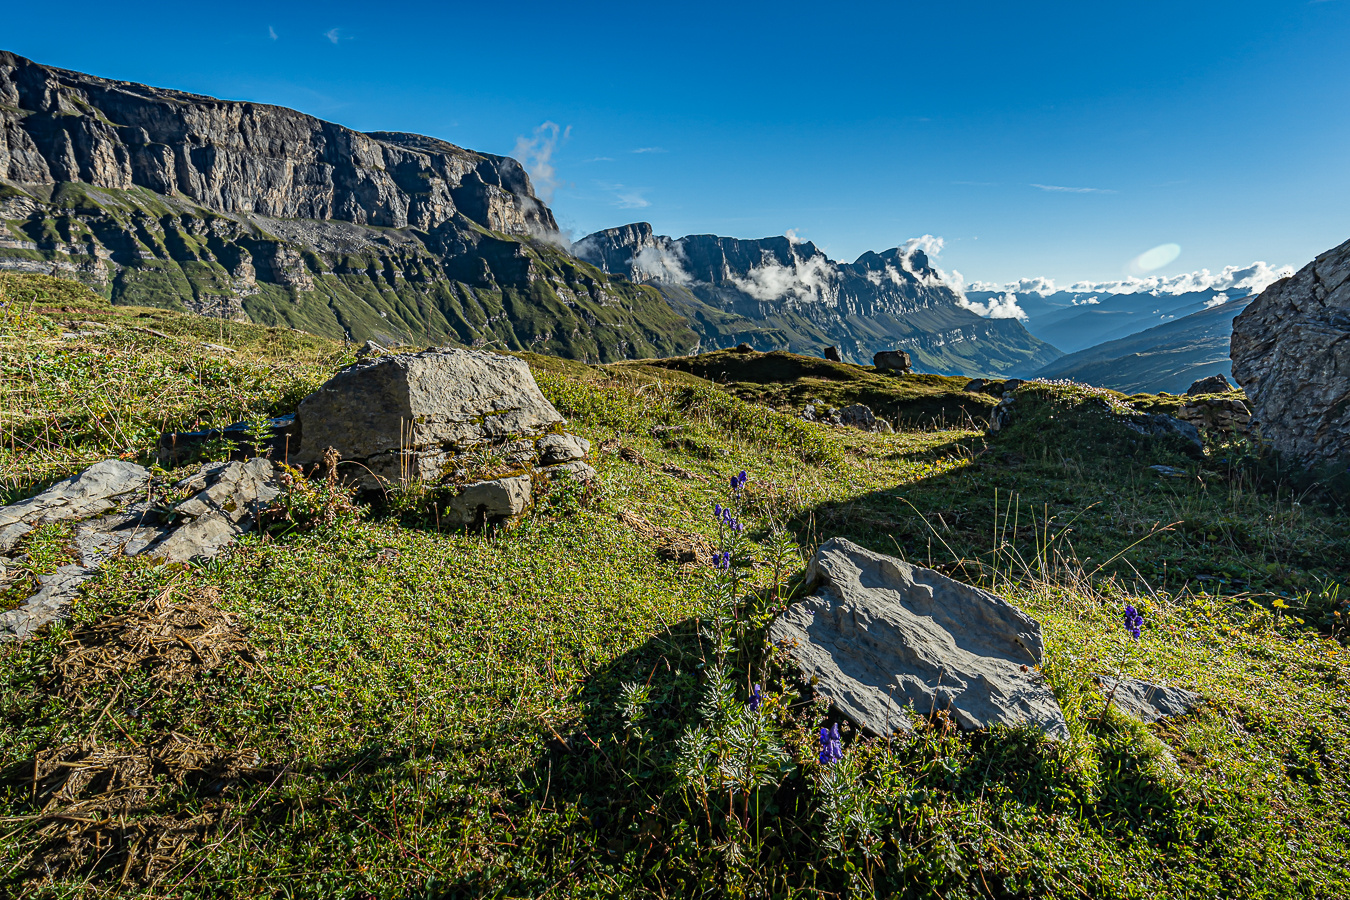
(359, 703)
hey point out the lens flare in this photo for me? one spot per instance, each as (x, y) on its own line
(1155, 259)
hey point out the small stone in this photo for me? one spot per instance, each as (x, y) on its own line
(561, 448)
(491, 501)
(1149, 702)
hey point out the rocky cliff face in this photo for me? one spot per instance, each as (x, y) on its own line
(245, 210)
(1291, 354)
(780, 294)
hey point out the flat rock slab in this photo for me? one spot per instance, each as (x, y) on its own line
(87, 494)
(229, 496)
(1149, 702)
(878, 637)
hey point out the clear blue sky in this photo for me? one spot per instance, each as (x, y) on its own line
(1223, 127)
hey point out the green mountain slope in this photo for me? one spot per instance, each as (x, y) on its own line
(1168, 357)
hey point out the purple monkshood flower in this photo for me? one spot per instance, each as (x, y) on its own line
(831, 746)
(756, 698)
(738, 481)
(722, 560)
(1134, 621)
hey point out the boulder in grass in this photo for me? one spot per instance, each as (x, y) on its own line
(896, 361)
(1149, 702)
(1214, 384)
(881, 639)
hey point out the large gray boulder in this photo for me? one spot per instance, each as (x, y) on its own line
(408, 413)
(435, 417)
(897, 361)
(878, 637)
(1291, 354)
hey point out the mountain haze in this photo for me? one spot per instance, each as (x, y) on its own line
(783, 294)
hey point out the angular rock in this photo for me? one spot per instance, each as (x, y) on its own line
(1161, 426)
(1216, 414)
(1214, 384)
(582, 471)
(974, 386)
(52, 602)
(1149, 702)
(1291, 354)
(404, 415)
(561, 448)
(832, 354)
(485, 502)
(86, 494)
(858, 416)
(230, 497)
(276, 438)
(878, 635)
(897, 361)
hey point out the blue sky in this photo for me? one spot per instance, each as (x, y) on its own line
(1042, 139)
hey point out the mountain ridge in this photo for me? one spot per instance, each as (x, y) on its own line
(779, 293)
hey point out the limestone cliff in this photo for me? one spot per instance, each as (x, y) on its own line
(242, 210)
(781, 294)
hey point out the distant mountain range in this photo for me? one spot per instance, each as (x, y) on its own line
(1168, 357)
(783, 294)
(248, 211)
(1137, 333)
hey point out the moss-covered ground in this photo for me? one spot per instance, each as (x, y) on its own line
(357, 703)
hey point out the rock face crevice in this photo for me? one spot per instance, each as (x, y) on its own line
(1291, 354)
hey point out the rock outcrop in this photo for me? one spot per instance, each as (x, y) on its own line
(1213, 384)
(1291, 354)
(855, 415)
(118, 509)
(438, 417)
(1221, 414)
(881, 639)
(243, 210)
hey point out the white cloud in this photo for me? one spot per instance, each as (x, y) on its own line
(1216, 300)
(661, 263)
(632, 200)
(536, 155)
(271, 32)
(1061, 189)
(1242, 280)
(811, 279)
(1090, 301)
(1004, 307)
(332, 35)
(650, 150)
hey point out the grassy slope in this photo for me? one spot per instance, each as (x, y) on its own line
(425, 714)
(388, 284)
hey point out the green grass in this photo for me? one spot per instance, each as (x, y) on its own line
(400, 711)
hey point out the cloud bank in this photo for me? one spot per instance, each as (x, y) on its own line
(536, 155)
(998, 307)
(1241, 280)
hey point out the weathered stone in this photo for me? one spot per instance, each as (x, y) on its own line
(52, 602)
(86, 494)
(370, 348)
(878, 636)
(1161, 426)
(744, 348)
(380, 410)
(1148, 702)
(896, 361)
(273, 437)
(230, 496)
(580, 471)
(561, 448)
(858, 416)
(975, 385)
(491, 501)
(1213, 384)
(1216, 414)
(1291, 354)
(832, 354)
